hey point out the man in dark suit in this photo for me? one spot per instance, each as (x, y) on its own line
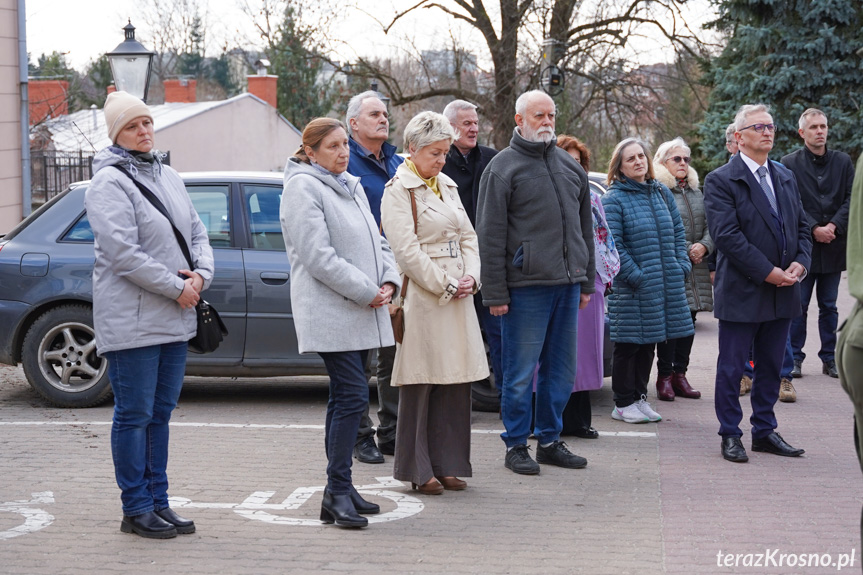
(763, 244)
(465, 163)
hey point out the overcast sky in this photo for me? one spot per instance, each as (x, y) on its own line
(85, 30)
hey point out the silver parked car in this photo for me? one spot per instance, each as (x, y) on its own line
(46, 266)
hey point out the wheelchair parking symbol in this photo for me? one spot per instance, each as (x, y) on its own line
(256, 505)
(34, 517)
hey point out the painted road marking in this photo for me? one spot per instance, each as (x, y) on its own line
(34, 518)
(256, 506)
(289, 426)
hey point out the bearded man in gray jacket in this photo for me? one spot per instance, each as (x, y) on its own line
(535, 233)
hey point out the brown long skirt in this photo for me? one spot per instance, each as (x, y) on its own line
(433, 432)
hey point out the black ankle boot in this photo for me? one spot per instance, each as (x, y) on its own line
(340, 510)
(148, 525)
(361, 505)
(184, 526)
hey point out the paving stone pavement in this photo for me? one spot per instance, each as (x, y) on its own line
(654, 499)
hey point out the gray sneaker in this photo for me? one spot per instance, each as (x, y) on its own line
(520, 461)
(558, 454)
(648, 411)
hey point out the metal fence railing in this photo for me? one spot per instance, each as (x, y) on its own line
(51, 172)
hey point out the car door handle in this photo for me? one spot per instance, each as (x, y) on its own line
(275, 278)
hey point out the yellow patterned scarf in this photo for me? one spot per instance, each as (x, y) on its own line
(430, 182)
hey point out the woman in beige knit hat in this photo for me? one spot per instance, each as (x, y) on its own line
(144, 297)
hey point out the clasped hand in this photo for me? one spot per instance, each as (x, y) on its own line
(697, 252)
(786, 278)
(192, 286)
(465, 287)
(385, 295)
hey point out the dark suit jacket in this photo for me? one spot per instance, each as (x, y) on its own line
(749, 244)
(466, 175)
(825, 189)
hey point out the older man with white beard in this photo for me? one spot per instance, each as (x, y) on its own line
(536, 244)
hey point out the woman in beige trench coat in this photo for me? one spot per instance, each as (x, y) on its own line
(442, 351)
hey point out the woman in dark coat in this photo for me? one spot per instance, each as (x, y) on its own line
(648, 304)
(672, 169)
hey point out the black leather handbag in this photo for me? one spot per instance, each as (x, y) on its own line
(211, 328)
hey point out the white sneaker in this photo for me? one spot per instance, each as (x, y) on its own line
(648, 411)
(629, 414)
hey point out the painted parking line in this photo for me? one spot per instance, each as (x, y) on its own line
(642, 434)
(35, 518)
(257, 506)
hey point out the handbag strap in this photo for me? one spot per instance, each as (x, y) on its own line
(414, 212)
(160, 207)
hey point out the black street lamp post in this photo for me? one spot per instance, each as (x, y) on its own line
(131, 65)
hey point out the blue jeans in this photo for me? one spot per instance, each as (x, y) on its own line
(540, 327)
(146, 382)
(349, 396)
(787, 362)
(828, 316)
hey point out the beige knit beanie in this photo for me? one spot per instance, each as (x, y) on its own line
(120, 109)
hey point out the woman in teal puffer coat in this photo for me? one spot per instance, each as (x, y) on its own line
(648, 304)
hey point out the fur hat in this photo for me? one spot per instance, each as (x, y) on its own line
(120, 109)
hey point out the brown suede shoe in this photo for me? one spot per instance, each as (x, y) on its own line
(681, 387)
(664, 391)
(787, 394)
(745, 385)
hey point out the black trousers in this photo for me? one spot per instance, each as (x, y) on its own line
(672, 356)
(631, 365)
(577, 415)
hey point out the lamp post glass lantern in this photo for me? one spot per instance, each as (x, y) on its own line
(131, 64)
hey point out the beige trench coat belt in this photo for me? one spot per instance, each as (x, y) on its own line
(443, 249)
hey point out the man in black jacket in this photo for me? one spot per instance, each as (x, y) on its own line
(825, 178)
(465, 164)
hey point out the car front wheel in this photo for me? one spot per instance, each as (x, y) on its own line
(60, 361)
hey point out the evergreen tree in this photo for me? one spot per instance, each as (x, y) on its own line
(792, 55)
(219, 71)
(190, 62)
(292, 49)
(97, 78)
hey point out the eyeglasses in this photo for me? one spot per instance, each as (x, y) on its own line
(761, 127)
(678, 159)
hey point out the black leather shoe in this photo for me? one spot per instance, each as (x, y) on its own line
(366, 451)
(340, 510)
(589, 433)
(387, 447)
(774, 444)
(184, 526)
(829, 368)
(361, 505)
(148, 525)
(797, 372)
(733, 450)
